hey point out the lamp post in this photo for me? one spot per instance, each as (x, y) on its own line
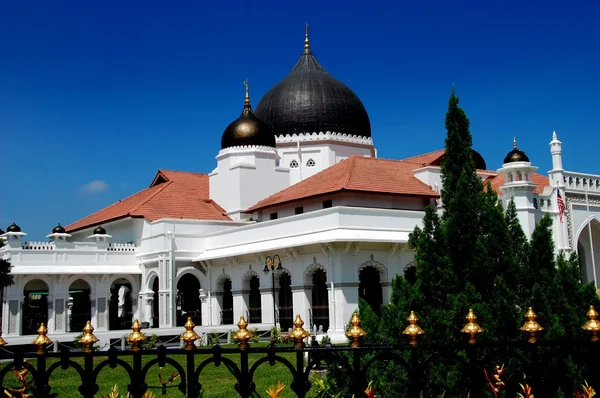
(273, 265)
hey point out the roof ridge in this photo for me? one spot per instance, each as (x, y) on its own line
(423, 154)
(162, 187)
(111, 205)
(350, 171)
(181, 171)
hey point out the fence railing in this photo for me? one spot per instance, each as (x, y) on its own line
(354, 360)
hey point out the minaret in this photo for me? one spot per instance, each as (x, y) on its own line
(556, 174)
(518, 185)
(247, 165)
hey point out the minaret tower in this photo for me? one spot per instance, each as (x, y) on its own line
(556, 174)
(247, 165)
(518, 185)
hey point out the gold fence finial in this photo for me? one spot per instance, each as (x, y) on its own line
(531, 326)
(136, 337)
(2, 341)
(189, 336)
(592, 325)
(472, 328)
(355, 332)
(88, 339)
(413, 330)
(243, 334)
(41, 341)
(299, 333)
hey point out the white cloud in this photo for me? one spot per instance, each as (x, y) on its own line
(95, 186)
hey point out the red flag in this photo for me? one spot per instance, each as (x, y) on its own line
(561, 205)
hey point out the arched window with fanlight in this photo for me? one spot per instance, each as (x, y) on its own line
(310, 163)
(293, 164)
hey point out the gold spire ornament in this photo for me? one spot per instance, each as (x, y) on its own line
(472, 328)
(413, 330)
(515, 143)
(299, 333)
(243, 334)
(247, 101)
(189, 336)
(531, 326)
(41, 341)
(592, 325)
(136, 337)
(306, 41)
(355, 332)
(88, 339)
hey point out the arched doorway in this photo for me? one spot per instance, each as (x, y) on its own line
(320, 300)
(80, 307)
(154, 321)
(120, 307)
(369, 288)
(285, 301)
(254, 301)
(588, 249)
(35, 306)
(226, 300)
(188, 300)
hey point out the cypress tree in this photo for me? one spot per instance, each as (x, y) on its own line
(475, 255)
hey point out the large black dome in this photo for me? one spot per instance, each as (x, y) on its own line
(310, 100)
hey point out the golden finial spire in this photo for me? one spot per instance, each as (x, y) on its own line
(247, 102)
(515, 143)
(306, 42)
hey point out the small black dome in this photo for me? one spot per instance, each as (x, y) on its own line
(13, 228)
(310, 100)
(59, 229)
(1, 231)
(516, 155)
(99, 230)
(247, 130)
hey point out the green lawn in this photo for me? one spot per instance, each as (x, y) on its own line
(215, 381)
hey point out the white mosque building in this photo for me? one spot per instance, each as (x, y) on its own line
(299, 216)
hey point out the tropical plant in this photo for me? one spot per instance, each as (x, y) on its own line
(275, 391)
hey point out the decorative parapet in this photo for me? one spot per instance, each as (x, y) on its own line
(38, 246)
(243, 148)
(323, 136)
(581, 181)
(75, 246)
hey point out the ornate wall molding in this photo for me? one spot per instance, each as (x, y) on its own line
(383, 272)
(323, 136)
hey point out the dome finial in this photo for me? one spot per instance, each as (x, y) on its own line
(515, 143)
(247, 101)
(306, 41)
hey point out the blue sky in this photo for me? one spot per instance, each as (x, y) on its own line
(96, 97)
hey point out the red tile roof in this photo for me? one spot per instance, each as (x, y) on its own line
(427, 159)
(358, 174)
(541, 181)
(172, 194)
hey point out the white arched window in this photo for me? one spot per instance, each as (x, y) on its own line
(310, 163)
(293, 164)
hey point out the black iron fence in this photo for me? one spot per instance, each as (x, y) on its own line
(354, 360)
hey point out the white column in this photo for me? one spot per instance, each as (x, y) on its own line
(240, 307)
(266, 306)
(347, 303)
(50, 323)
(301, 298)
(386, 290)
